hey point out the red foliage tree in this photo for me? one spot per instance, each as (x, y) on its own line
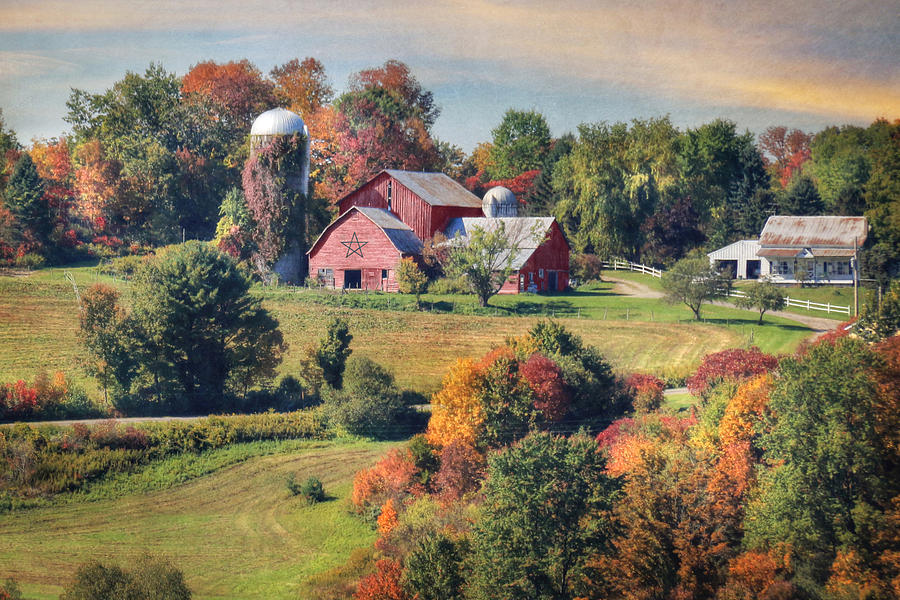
(384, 584)
(391, 477)
(237, 86)
(734, 364)
(462, 468)
(786, 151)
(545, 379)
(647, 391)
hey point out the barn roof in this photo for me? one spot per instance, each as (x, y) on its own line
(436, 188)
(811, 232)
(527, 233)
(399, 233)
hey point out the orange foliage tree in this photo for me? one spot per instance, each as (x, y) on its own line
(237, 86)
(456, 413)
(391, 477)
(384, 584)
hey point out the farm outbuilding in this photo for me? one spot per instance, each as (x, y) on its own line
(542, 262)
(798, 249)
(361, 250)
(389, 218)
(424, 201)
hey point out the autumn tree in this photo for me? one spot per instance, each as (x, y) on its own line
(302, 86)
(543, 511)
(237, 87)
(434, 569)
(384, 584)
(762, 296)
(694, 282)
(456, 413)
(786, 150)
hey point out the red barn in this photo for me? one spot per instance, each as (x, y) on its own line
(542, 262)
(389, 217)
(424, 201)
(361, 250)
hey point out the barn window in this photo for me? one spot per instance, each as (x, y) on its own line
(531, 277)
(541, 273)
(390, 193)
(384, 274)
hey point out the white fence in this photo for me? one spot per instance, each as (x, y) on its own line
(807, 304)
(624, 265)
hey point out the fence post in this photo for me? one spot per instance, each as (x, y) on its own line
(828, 309)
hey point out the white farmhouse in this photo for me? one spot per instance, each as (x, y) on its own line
(797, 249)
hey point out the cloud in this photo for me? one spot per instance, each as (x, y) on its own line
(832, 59)
(22, 64)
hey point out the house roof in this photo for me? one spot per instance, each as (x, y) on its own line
(811, 232)
(436, 188)
(526, 233)
(735, 250)
(401, 235)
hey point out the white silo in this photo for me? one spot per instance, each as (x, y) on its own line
(500, 202)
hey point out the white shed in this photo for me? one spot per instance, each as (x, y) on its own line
(741, 259)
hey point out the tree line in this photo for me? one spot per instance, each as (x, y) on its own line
(158, 157)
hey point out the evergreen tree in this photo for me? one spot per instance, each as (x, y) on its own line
(25, 199)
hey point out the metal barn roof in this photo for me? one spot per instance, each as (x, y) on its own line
(436, 188)
(811, 232)
(528, 233)
(399, 233)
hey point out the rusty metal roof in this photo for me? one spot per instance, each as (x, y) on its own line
(436, 188)
(812, 232)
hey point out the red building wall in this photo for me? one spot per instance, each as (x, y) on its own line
(378, 254)
(423, 218)
(551, 256)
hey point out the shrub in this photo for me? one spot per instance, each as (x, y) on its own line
(384, 584)
(449, 285)
(586, 267)
(736, 364)
(148, 579)
(10, 590)
(30, 261)
(312, 490)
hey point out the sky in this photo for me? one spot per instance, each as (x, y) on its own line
(800, 64)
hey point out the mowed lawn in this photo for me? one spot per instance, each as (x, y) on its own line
(39, 328)
(237, 533)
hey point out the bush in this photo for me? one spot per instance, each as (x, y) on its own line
(369, 403)
(312, 490)
(450, 285)
(10, 590)
(30, 261)
(149, 579)
(586, 267)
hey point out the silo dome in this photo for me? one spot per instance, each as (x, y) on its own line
(278, 121)
(500, 202)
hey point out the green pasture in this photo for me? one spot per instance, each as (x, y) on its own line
(39, 327)
(235, 532)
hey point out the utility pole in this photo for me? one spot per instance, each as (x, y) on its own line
(855, 277)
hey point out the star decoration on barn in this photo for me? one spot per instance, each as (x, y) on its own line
(354, 246)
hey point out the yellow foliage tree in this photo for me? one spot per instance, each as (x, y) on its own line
(744, 410)
(456, 412)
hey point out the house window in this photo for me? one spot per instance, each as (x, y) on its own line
(783, 268)
(842, 268)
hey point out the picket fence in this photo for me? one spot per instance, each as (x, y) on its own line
(625, 265)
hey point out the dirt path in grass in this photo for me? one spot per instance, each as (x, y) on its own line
(634, 289)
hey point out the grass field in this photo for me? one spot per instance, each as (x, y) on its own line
(235, 533)
(39, 322)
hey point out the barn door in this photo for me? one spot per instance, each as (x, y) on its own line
(372, 279)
